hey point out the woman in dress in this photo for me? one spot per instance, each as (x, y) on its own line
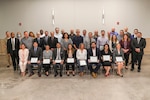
(23, 57)
(106, 63)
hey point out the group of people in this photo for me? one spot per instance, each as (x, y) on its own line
(60, 49)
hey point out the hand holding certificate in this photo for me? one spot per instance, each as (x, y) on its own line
(57, 61)
(34, 60)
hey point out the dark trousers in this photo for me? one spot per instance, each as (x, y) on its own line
(46, 67)
(56, 66)
(15, 58)
(126, 56)
(137, 57)
(95, 70)
(68, 65)
(31, 65)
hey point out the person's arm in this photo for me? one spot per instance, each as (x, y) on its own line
(114, 56)
(8, 47)
(77, 55)
(27, 54)
(98, 44)
(143, 44)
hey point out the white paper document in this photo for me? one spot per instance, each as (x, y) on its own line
(34, 60)
(106, 57)
(57, 61)
(46, 61)
(83, 63)
(119, 59)
(70, 60)
(93, 59)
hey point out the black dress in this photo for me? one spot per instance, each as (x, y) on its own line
(106, 63)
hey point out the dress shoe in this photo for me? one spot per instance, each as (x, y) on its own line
(139, 70)
(39, 74)
(132, 69)
(8, 66)
(60, 75)
(55, 75)
(31, 74)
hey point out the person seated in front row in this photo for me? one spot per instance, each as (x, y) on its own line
(47, 54)
(81, 58)
(118, 52)
(58, 59)
(23, 58)
(36, 53)
(70, 54)
(95, 64)
(106, 62)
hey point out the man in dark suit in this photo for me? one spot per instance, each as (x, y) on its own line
(137, 44)
(93, 51)
(46, 39)
(35, 52)
(58, 54)
(52, 41)
(39, 40)
(12, 49)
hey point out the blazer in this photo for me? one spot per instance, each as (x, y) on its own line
(44, 40)
(53, 43)
(128, 45)
(90, 53)
(38, 53)
(62, 54)
(115, 54)
(141, 45)
(9, 45)
(23, 55)
(41, 44)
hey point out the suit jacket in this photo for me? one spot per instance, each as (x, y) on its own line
(53, 43)
(116, 54)
(62, 54)
(141, 45)
(44, 40)
(38, 54)
(128, 45)
(90, 53)
(9, 45)
(41, 44)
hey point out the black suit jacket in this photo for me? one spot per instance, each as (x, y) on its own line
(44, 40)
(9, 45)
(141, 45)
(38, 53)
(53, 43)
(62, 54)
(90, 53)
(41, 44)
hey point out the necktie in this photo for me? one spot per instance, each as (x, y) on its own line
(35, 49)
(39, 40)
(13, 44)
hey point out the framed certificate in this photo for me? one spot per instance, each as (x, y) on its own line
(83, 63)
(58, 61)
(34, 60)
(70, 60)
(93, 59)
(106, 57)
(46, 61)
(119, 59)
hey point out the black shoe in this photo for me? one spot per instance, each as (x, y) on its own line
(31, 74)
(55, 75)
(39, 74)
(73, 74)
(60, 75)
(8, 66)
(132, 69)
(139, 70)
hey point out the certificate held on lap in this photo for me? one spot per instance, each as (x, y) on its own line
(106, 57)
(70, 60)
(46, 61)
(82, 63)
(93, 59)
(34, 60)
(119, 59)
(57, 61)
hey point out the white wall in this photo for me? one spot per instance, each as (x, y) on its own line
(83, 14)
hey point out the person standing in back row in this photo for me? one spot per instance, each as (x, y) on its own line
(13, 46)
